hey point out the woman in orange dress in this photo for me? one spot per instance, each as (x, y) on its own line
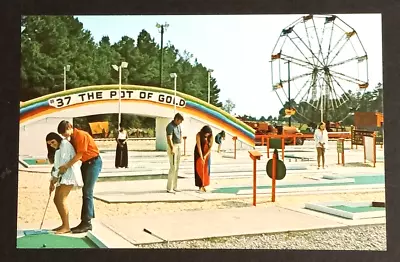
(202, 160)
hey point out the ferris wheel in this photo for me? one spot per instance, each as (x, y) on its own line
(319, 68)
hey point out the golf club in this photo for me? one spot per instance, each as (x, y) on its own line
(151, 233)
(48, 201)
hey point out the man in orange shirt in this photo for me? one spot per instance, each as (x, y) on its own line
(87, 152)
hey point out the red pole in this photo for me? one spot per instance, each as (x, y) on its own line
(184, 145)
(273, 177)
(283, 147)
(268, 147)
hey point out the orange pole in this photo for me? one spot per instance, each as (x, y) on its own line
(255, 155)
(184, 145)
(262, 140)
(283, 148)
(374, 136)
(268, 147)
(254, 182)
(294, 140)
(273, 177)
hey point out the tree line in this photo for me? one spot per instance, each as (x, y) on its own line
(48, 43)
(369, 101)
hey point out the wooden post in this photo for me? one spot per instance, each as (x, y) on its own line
(365, 156)
(338, 160)
(343, 151)
(374, 138)
(351, 135)
(340, 150)
(255, 155)
(294, 140)
(283, 147)
(273, 177)
(262, 140)
(234, 146)
(268, 147)
(184, 145)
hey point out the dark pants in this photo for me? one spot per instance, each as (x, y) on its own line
(90, 173)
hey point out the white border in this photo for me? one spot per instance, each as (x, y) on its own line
(95, 239)
(324, 207)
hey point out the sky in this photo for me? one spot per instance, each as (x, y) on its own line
(238, 48)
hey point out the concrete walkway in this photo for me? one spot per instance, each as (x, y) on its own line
(230, 179)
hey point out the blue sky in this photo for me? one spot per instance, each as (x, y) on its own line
(238, 48)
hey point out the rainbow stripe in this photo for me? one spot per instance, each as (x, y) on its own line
(40, 107)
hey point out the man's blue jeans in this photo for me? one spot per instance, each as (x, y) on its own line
(90, 173)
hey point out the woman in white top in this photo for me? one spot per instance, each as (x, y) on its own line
(61, 151)
(121, 152)
(321, 143)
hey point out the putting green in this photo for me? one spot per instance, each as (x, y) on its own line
(359, 209)
(358, 180)
(54, 241)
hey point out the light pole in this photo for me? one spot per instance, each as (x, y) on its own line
(66, 68)
(162, 29)
(209, 83)
(119, 69)
(174, 76)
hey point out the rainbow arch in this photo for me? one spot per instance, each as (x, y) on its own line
(40, 108)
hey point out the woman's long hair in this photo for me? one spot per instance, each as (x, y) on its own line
(204, 131)
(50, 150)
(320, 124)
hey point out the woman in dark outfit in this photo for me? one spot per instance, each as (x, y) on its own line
(121, 155)
(202, 160)
(218, 139)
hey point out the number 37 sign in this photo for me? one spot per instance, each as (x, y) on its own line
(102, 95)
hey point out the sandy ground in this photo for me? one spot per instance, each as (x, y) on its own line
(33, 196)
